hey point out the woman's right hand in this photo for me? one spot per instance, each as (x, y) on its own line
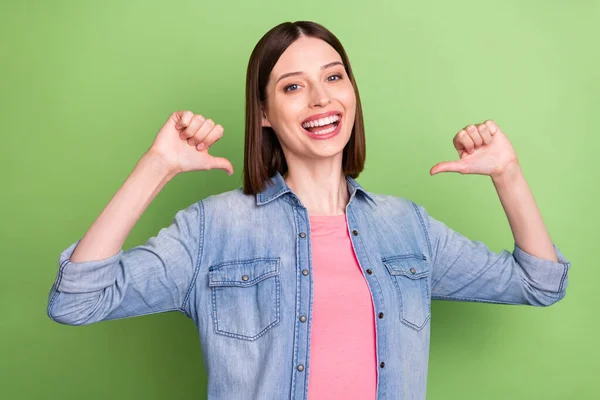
(183, 143)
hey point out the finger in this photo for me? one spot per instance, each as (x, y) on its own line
(215, 134)
(221, 163)
(183, 119)
(484, 133)
(464, 139)
(492, 127)
(201, 133)
(475, 137)
(457, 144)
(192, 128)
(447, 166)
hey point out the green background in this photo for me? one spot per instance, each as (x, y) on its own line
(85, 86)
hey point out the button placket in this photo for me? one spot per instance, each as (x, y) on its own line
(303, 263)
(369, 271)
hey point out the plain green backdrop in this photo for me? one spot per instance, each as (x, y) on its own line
(85, 86)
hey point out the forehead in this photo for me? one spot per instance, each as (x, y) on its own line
(307, 54)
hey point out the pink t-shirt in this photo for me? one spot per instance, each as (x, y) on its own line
(343, 360)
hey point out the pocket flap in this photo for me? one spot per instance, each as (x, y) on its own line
(413, 266)
(242, 273)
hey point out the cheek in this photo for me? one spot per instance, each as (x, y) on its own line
(348, 99)
(288, 109)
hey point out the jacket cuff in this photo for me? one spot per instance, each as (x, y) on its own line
(544, 274)
(86, 276)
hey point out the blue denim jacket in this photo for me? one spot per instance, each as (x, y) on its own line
(240, 267)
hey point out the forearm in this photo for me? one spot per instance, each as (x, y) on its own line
(109, 231)
(524, 218)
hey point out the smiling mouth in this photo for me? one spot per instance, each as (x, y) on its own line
(322, 126)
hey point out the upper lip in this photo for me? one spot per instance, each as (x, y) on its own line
(322, 115)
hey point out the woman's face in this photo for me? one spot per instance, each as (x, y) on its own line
(310, 101)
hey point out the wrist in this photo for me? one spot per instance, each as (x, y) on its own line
(508, 174)
(158, 165)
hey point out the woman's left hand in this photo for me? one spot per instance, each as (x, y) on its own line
(483, 149)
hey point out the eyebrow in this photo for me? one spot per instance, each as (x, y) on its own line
(331, 64)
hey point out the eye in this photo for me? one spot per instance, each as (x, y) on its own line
(286, 89)
(334, 76)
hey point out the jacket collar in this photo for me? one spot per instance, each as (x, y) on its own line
(277, 187)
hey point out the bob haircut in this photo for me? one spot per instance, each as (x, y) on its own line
(263, 155)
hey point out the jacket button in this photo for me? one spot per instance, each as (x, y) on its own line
(304, 272)
(412, 270)
(245, 277)
(380, 315)
(369, 272)
(302, 235)
(382, 364)
(300, 367)
(303, 318)
(355, 232)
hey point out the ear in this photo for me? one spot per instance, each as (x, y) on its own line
(265, 120)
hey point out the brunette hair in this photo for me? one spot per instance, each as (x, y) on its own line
(263, 155)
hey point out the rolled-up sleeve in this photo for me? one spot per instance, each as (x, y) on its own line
(154, 277)
(545, 275)
(85, 277)
(467, 270)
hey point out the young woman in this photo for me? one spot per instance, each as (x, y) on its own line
(303, 284)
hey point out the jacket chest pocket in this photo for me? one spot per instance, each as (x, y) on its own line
(410, 275)
(245, 297)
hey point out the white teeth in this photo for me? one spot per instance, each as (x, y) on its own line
(324, 131)
(321, 122)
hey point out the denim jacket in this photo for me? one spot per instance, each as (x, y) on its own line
(240, 267)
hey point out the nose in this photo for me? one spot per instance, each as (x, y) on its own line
(319, 97)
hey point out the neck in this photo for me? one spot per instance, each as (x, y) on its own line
(323, 191)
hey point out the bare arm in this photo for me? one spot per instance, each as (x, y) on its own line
(524, 217)
(108, 232)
